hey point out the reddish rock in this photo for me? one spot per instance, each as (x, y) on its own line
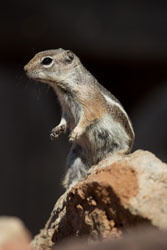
(119, 193)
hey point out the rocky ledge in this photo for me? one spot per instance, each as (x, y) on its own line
(119, 193)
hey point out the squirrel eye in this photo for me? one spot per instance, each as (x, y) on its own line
(47, 61)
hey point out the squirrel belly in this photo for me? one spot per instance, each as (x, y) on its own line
(98, 132)
(99, 140)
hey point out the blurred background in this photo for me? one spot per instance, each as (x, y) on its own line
(123, 43)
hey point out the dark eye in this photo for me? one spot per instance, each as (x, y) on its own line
(47, 61)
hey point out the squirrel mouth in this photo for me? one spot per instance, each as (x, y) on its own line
(37, 79)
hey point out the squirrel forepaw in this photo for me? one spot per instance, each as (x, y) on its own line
(76, 134)
(57, 131)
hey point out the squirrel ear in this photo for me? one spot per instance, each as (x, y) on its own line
(69, 56)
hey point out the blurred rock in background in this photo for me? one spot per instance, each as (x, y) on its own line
(13, 234)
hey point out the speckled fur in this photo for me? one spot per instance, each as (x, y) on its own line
(98, 123)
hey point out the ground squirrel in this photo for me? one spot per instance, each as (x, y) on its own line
(97, 121)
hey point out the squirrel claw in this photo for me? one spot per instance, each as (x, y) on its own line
(72, 138)
(53, 136)
(75, 135)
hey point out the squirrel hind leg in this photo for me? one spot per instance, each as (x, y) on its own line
(76, 165)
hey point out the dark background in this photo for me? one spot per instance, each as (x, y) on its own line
(123, 43)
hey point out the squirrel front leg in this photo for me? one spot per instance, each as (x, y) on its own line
(79, 130)
(60, 128)
(93, 108)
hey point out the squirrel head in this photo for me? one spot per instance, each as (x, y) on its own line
(53, 66)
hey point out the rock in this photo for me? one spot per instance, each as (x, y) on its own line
(120, 192)
(13, 234)
(142, 238)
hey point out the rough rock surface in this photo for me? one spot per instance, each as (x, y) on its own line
(142, 238)
(120, 192)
